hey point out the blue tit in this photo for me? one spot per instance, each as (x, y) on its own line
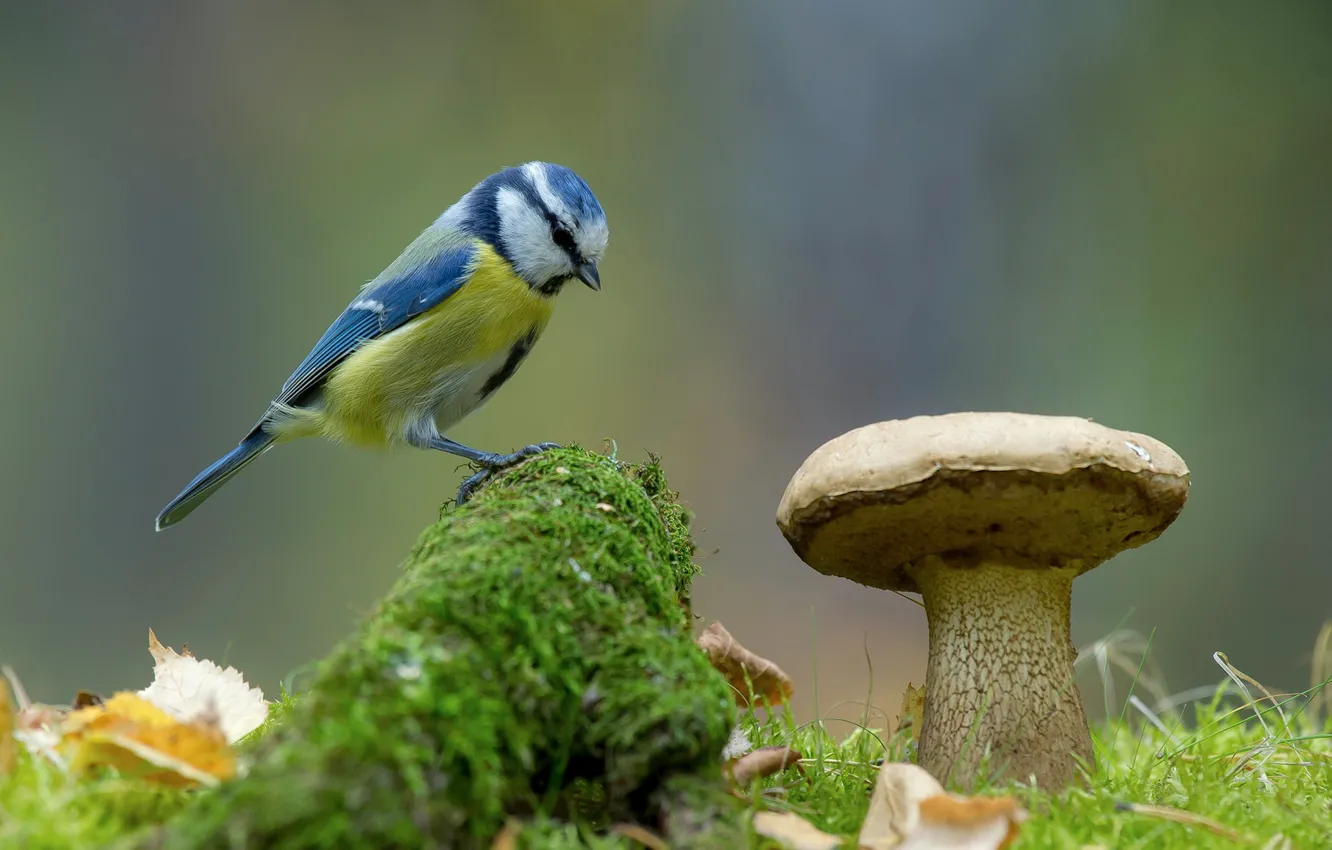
(437, 332)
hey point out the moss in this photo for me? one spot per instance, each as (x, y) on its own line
(43, 807)
(537, 641)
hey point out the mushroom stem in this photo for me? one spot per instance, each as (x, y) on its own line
(1000, 672)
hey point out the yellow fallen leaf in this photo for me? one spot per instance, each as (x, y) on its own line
(187, 687)
(123, 707)
(909, 810)
(764, 761)
(913, 710)
(141, 740)
(794, 832)
(743, 669)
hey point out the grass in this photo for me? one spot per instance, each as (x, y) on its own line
(1231, 766)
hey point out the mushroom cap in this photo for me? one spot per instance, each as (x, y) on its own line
(1025, 489)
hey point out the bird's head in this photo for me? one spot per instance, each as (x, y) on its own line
(540, 217)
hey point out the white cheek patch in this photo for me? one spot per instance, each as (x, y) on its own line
(592, 239)
(526, 234)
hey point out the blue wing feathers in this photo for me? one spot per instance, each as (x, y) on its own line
(348, 331)
(380, 308)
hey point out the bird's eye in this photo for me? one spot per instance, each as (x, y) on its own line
(562, 237)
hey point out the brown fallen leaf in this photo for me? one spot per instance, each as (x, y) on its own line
(764, 761)
(743, 669)
(139, 739)
(7, 742)
(85, 699)
(909, 810)
(794, 832)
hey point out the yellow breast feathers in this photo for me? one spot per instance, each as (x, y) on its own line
(442, 363)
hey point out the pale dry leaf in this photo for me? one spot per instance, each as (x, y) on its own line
(1181, 816)
(909, 810)
(188, 688)
(507, 838)
(37, 729)
(743, 668)
(764, 761)
(794, 832)
(641, 835)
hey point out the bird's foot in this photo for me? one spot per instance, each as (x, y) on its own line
(491, 463)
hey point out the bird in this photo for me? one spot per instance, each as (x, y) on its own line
(438, 331)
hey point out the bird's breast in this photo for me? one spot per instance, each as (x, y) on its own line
(442, 364)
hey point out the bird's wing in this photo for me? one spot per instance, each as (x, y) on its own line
(434, 267)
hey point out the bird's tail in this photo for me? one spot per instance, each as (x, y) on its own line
(213, 477)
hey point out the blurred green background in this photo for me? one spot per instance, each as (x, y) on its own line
(822, 215)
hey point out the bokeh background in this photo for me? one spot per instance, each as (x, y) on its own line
(823, 215)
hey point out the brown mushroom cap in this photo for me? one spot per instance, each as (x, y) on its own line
(1039, 491)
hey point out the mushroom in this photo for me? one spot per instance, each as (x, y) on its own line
(989, 517)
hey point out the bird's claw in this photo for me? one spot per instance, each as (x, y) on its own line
(492, 463)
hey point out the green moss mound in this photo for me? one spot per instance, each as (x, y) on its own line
(537, 642)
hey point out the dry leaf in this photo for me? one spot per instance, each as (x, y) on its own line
(139, 739)
(764, 761)
(913, 710)
(34, 724)
(794, 832)
(85, 699)
(738, 664)
(640, 834)
(909, 810)
(189, 687)
(1181, 816)
(507, 838)
(37, 729)
(7, 741)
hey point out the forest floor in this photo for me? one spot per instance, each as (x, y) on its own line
(1231, 766)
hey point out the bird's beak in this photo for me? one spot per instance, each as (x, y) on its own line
(587, 273)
